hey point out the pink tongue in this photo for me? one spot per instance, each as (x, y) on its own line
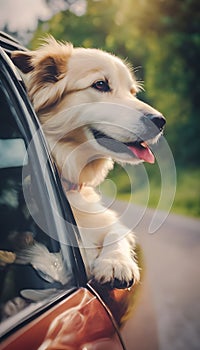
(143, 153)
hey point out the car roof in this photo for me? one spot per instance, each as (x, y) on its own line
(9, 43)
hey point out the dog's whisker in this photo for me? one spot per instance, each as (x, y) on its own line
(136, 69)
(140, 85)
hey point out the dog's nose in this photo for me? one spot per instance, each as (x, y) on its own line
(158, 120)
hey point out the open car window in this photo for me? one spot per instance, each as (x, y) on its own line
(34, 263)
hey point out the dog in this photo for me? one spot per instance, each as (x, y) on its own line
(86, 102)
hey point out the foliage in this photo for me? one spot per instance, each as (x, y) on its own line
(186, 201)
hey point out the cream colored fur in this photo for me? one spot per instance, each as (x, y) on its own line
(60, 79)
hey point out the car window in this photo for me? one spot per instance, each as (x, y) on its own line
(32, 264)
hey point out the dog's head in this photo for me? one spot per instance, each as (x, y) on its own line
(86, 101)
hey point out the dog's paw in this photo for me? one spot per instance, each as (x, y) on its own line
(120, 272)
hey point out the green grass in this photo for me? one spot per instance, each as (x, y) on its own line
(187, 199)
(142, 185)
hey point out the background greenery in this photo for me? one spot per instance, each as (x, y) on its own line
(161, 38)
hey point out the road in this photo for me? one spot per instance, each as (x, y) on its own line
(169, 305)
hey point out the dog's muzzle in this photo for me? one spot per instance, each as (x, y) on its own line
(154, 125)
(159, 121)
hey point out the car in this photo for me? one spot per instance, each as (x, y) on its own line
(46, 298)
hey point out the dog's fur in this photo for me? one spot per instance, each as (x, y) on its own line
(86, 102)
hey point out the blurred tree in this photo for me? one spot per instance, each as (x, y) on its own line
(76, 6)
(172, 65)
(162, 36)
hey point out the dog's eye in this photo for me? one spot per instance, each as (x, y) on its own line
(102, 86)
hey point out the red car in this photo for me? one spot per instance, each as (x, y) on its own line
(52, 305)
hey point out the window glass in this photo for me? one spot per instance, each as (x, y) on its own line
(32, 267)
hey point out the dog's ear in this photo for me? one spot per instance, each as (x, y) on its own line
(22, 60)
(47, 67)
(49, 63)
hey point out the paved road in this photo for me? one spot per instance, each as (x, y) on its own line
(170, 294)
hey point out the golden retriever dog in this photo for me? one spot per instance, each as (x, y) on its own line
(87, 105)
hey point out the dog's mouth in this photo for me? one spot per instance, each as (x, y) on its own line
(137, 149)
(141, 150)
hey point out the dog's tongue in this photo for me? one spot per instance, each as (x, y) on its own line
(143, 153)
